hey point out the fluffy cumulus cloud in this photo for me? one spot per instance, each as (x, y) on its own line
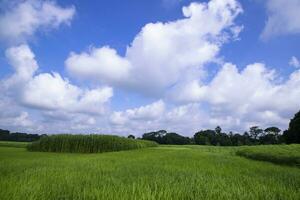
(103, 63)
(233, 99)
(163, 54)
(49, 93)
(144, 113)
(22, 60)
(236, 100)
(22, 19)
(52, 92)
(283, 18)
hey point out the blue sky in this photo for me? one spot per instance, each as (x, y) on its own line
(114, 67)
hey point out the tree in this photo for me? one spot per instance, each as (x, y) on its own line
(271, 136)
(272, 130)
(174, 138)
(131, 136)
(292, 135)
(255, 131)
(156, 136)
(4, 134)
(201, 138)
(218, 130)
(205, 137)
(237, 139)
(19, 137)
(163, 137)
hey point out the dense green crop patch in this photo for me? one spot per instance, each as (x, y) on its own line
(192, 172)
(87, 144)
(280, 154)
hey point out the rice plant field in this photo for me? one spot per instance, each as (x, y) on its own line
(280, 154)
(87, 143)
(13, 144)
(163, 172)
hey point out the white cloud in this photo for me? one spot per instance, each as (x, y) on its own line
(103, 63)
(233, 99)
(24, 66)
(294, 62)
(283, 18)
(22, 60)
(251, 96)
(23, 18)
(50, 91)
(163, 54)
(144, 113)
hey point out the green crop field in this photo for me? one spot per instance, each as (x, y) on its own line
(87, 143)
(163, 172)
(280, 154)
(13, 144)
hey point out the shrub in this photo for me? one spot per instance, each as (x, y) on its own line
(87, 143)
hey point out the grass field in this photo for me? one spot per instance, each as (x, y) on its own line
(279, 154)
(87, 143)
(164, 172)
(13, 144)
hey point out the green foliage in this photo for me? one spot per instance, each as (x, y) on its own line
(87, 143)
(13, 144)
(255, 132)
(213, 137)
(280, 154)
(272, 130)
(165, 172)
(292, 135)
(131, 136)
(257, 136)
(6, 135)
(163, 137)
(157, 136)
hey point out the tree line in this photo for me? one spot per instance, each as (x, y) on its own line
(255, 136)
(6, 135)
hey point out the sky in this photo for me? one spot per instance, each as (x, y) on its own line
(131, 67)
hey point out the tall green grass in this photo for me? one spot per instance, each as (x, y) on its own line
(280, 154)
(13, 144)
(87, 143)
(162, 173)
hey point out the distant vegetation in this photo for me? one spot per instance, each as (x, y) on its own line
(280, 154)
(6, 135)
(292, 135)
(87, 143)
(216, 137)
(255, 136)
(163, 137)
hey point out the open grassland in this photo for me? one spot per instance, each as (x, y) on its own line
(87, 143)
(280, 154)
(13, 144)
(164, 172)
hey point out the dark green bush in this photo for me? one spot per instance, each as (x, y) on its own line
(87, 143)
